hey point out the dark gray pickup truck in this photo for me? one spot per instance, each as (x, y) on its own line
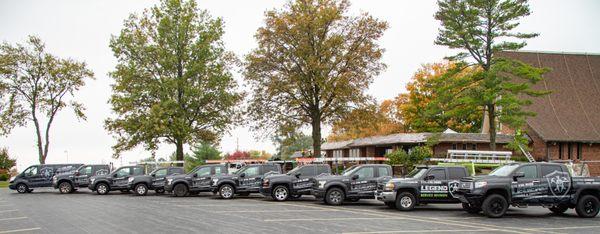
(69, 182)
(245, 181)
(355, 183)
(530, 184)
(294, 183)
(155, 180)
(116, 180)
(196, 181)
(425, 184)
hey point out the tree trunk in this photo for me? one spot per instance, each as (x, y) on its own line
(492, 119)
(41, 156)
(316, 136)
(179, 151)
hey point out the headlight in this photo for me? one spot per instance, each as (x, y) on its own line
(389, 186)
(130, 179)
(480, 184)
(322, 183)
(12, 179)
(169, 181)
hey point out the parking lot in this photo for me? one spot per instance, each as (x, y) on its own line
(47, 211)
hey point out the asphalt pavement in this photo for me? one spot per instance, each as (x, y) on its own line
(47, 211)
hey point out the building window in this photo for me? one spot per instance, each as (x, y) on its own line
(454, 146)
(560, 150)
(337, 153)
(474, 146)
(354, 153)
(570, 150)
(388, 151)
(579, 151)
(464, 146)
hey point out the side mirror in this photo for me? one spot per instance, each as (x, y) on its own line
(297, 175)
(430, 177)
(518, 175)
(195, 175)
(243, 174)
(153, 175)
(354, 177)
(76, 173)
(115, 175)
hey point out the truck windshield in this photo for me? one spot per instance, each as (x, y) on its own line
(293, 170)
(504, 170)
(349, 170)
(416, 173)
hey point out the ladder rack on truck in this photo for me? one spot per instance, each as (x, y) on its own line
(476, 156)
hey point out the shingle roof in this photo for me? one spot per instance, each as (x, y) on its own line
(570, 112)
(414, 138)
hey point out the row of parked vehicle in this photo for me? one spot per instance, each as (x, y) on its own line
(549, 185)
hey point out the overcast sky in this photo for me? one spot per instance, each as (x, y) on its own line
(81, 30)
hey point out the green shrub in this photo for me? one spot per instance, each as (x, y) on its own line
(416, 156)
(4, 177)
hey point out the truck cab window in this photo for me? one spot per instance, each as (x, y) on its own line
(530, 171)
(365, 172)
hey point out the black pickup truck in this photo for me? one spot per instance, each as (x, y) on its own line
(355, 183)
(425, 184)
(37, 176)
(537, 184)
(69, 182)
(245, 181)
(294, 183)
(198, 180)
(155, 180)
(116, 180)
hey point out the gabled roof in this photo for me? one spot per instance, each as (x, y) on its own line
(571, 111)
(415, 138)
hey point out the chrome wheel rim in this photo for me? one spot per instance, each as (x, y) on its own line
(226, 192)
(22, 188)
(65, 187)
(141, 189)
(335, 197)
(281, 193)
(405, 202)
(102, 189)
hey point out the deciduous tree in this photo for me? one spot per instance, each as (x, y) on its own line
(172, 82)
(369, 120)
(35, 86)
(313, 63)
(482, 28)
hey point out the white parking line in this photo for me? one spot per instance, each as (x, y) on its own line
(6, 211)
(562, 228)
(20, 230)
(326, 219)
(15, 218)
(425, 231)
(267, 211)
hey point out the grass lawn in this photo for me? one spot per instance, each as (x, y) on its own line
(3, 184)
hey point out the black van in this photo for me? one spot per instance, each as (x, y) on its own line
(39, 176)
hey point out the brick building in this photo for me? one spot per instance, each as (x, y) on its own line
(567, 124)
(378, 146)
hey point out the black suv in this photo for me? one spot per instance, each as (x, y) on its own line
(155, 180)
(295, 183)
(39, 176)
(198, 180)
(245, 181)
(530, 184)
(80, 178)
(116, 180)
(427, 184)
(355, 183)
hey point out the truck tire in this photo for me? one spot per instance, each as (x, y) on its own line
(226, 191)
(280, 193)
(334, 196)
(65, 187)
(180, 190)
(390, 204)
(22, 188)
(471, 209)
(558, 209)
(102, 188)
(494, 206)
(587, 206)
(141, 189)
(406, 201)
